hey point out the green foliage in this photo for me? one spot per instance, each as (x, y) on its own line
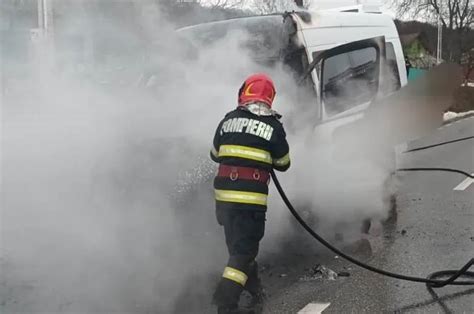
(415, 49)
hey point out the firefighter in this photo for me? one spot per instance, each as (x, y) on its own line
(248, 142)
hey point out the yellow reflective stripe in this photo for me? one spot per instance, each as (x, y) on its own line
(283, 161)
(241, 197)
(214, 152)
(235, 275)
(245, 152)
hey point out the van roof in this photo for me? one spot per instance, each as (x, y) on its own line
(321, 19)
(312, 19)
(326, 29)
(269, 35)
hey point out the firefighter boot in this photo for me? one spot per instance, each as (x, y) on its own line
(254, 287)
(257, 300)
(227, 296)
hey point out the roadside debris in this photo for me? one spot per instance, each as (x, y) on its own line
(322, 272)
(451, 116)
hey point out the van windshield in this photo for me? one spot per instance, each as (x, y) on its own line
(349, 79)
(265, 38)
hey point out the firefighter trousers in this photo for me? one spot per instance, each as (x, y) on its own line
(243, 231)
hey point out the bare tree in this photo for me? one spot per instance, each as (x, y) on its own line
(274, 6)
(454, 14)
(457, 17)
(222, 4)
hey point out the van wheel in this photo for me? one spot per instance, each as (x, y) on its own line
(389, 223)
(390, 198)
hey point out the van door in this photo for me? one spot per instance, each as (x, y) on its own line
(347, 78)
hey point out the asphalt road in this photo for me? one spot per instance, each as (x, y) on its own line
(434, 231)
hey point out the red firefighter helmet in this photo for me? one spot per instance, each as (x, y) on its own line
(257, 87)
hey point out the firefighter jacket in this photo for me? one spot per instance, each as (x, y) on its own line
(244, 139)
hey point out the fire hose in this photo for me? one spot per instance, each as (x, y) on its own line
(431, 280)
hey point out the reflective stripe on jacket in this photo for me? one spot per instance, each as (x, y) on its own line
(248, 140)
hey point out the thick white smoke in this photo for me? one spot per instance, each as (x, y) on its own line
(90, 222)
(107, 202)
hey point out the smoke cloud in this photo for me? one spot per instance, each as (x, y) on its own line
(107, 202)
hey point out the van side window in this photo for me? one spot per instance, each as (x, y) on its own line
(391, 80)
(349, 79)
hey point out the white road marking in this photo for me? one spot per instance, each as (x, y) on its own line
(464, 184)
(314, 308)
